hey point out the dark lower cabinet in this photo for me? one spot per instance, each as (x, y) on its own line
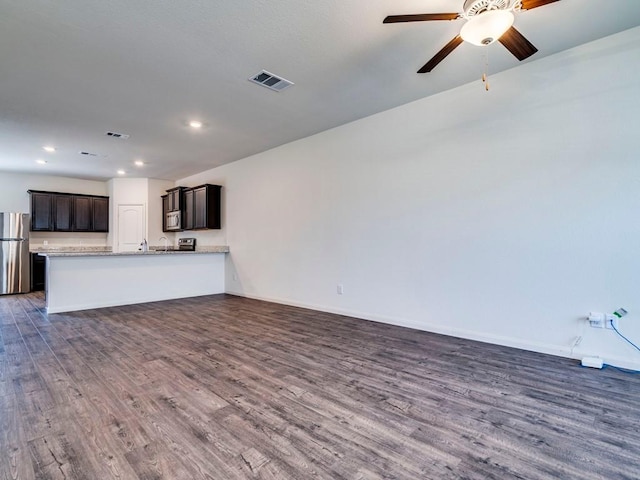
(68, 212)
(38, 272)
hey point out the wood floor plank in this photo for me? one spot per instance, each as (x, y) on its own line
(73, 454)
(222, 387)
(15, 461)
(154, 461)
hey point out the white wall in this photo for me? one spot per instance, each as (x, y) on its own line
(503, 216)
(14, 186)
(14, 198)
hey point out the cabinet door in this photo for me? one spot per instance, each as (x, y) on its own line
(206, 207)
(41, 213)
(213, 206)
(200, 207)
(170, 201)
(165, 210)
(82, 214)
(176, 203)
(38, 272)
(188, 211)
(62, 213)
(100, 214)
(174, 199)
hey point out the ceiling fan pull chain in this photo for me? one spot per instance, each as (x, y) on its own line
(485, 76)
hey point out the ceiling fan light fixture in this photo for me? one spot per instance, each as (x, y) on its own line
(487, 27)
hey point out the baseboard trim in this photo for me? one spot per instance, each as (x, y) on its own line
(118, 303)
(546, 348)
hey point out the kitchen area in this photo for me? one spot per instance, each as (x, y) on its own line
(91, 251)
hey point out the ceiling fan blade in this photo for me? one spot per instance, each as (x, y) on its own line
(517, 44)
(441, 55)
(421, 17)
(529, 4)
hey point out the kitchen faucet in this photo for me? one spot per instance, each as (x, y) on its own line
(166, 243)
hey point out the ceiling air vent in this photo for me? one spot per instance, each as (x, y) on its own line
(117, 135)
(88, 154)
(270, 81)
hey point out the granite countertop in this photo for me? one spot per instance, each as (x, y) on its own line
(108, 253)
(69, 249)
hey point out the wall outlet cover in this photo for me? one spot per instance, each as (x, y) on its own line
(596, 319)
(611, 319)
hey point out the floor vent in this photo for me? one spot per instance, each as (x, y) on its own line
(271, 81)
(117, 135)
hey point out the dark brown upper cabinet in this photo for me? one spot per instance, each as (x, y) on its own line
(41, 212)
(188, 210)
(68, 212)
(62, 213)
(199, 206)
(100, 214)
(82, 213)
(206, 207)
(174, 199)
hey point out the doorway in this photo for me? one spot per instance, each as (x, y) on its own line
(131, 227)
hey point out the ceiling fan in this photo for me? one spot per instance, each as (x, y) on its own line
(486, 22)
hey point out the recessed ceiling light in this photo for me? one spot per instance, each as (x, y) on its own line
(121, 172)
(41, 162)
(195, 124)
(139, 163)
(49, 149)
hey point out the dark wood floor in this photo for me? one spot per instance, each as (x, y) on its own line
(223, 387)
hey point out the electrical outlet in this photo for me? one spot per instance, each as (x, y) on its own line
(340, 289)
(596, 319)
(46, 242)
(611, 319)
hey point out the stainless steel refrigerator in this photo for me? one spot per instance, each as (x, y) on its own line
(15, 270)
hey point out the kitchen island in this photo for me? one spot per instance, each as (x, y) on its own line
(84, 280)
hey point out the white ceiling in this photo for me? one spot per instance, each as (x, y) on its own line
(72, 70)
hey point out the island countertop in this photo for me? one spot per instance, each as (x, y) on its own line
(92, 279)
(202, 250)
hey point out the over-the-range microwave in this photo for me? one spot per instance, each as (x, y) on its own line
(174, 220)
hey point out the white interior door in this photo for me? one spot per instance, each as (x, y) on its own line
(131, 223)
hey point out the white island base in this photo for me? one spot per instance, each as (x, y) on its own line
(84, 281)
